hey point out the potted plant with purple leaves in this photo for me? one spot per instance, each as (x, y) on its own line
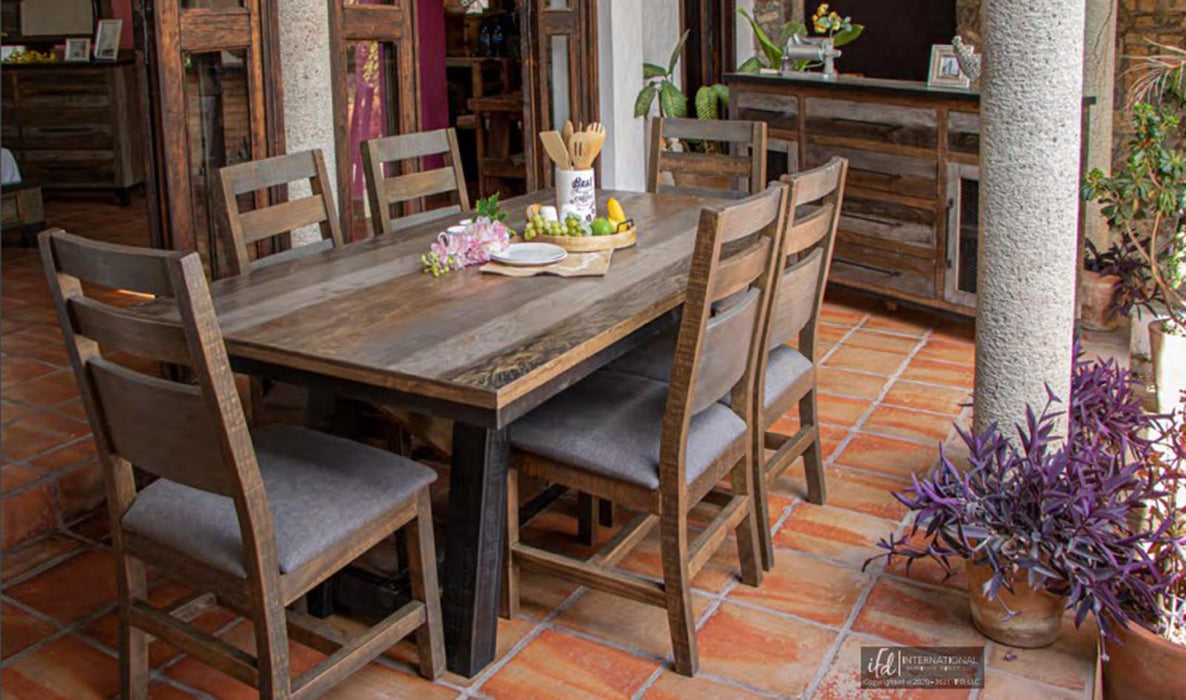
(1046, 524)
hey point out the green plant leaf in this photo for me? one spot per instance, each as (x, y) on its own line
(753, 64)
(722, 92)
(642, 103)
(673, 101)
(773, 52)
(791, 28)
(848, 36)
(675, 54)
(653, 70)
(706, 103)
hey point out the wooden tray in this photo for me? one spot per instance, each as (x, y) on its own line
(585, 244)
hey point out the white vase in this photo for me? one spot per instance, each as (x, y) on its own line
(576, 191)
(1169, 366)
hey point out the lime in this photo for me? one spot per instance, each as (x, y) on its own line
(602, 227)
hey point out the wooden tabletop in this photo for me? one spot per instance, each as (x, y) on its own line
(365, 313)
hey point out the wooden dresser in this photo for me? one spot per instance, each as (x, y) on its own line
(74, 125)
(909, 226)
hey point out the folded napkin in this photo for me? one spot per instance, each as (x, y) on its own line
(594, 264)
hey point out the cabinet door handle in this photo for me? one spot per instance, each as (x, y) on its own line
(880, 125)
(875, 220)
(867, 266)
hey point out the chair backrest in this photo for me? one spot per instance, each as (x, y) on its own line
(813, 215)
(385, 192)
(720, 333)
(741, 169)
(245, 228)
(193, 433)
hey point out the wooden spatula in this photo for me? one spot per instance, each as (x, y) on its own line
(554, 145)
(581, 148)
(567, 132)
(596, 133)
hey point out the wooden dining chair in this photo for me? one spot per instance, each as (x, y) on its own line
(385, 192)
(251, 521)
(738, 171)
(788, 374)
(661, 448)
(246, 228)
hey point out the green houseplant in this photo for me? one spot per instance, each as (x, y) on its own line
(1144, 201)
(839, 29)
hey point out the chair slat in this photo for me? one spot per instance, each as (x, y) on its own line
(741, 269)
(705, 163)
(272, 172)
(794, 301)
(735, 131)
(394, 149)
(413, 220)
(818, 183)
(724, 350)
(751, 215)
(282, 218)
(120, 329)
(147, 273)
(809, 230)
(422, 184)
(742, 169)
(163, 427)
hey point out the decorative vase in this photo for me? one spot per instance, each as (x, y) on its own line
(1037, 618)
(576, 192)
(1139, 663)
(1096, 294)
(1169, 365)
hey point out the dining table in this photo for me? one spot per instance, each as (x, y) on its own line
(364, 321)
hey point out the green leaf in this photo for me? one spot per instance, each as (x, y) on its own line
(848, 36)
(773, 53)
(642, 103)
(706, 103)
(753, 64)
(673, 101)
(679, 49)
(722, 92)
(790, 29)
(652, 70)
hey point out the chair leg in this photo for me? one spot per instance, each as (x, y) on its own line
(678, 586)
(422, 569)
(587, 519)
(271, 643)
(761, 502)
(133, 642)
(813, 463)
(748, 547)
(509, 606)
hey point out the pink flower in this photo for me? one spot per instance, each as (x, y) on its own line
(474, 246)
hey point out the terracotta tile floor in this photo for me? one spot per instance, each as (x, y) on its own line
(892, 385)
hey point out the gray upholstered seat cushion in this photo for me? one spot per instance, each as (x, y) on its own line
(653, 361)
(320, 489)
(611, 424)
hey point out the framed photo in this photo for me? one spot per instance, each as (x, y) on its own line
(107, 39)
(945, 68)
(78, 50)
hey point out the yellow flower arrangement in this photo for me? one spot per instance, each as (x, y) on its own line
(825, 21)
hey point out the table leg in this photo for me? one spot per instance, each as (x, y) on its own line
(473, 550)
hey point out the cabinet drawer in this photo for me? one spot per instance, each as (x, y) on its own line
(887, 221)
(884, 172)
(69, 167)
(866, 121)
(56, 138)
(882, 270)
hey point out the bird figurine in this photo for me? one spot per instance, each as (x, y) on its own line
(968, 59)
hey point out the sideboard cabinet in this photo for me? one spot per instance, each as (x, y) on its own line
(910, 221)
(74, 125)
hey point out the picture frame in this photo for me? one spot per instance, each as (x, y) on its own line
(945, 69)
(107, 36)
(78, 50)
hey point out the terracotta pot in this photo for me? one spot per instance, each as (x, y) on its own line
(1096, 294)
(1139, 666)
(1038, 618)
(1169, 366)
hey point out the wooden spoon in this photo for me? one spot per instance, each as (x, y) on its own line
(554, 145)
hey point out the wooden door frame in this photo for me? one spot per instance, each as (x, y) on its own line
(386, 24)
(159, 50)
(698, 68)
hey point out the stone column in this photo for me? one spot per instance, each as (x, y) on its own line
(1029, 165)
(1099, 81)
(620, 54)
(308, 92)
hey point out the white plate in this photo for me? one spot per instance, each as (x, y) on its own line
(530, 254)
